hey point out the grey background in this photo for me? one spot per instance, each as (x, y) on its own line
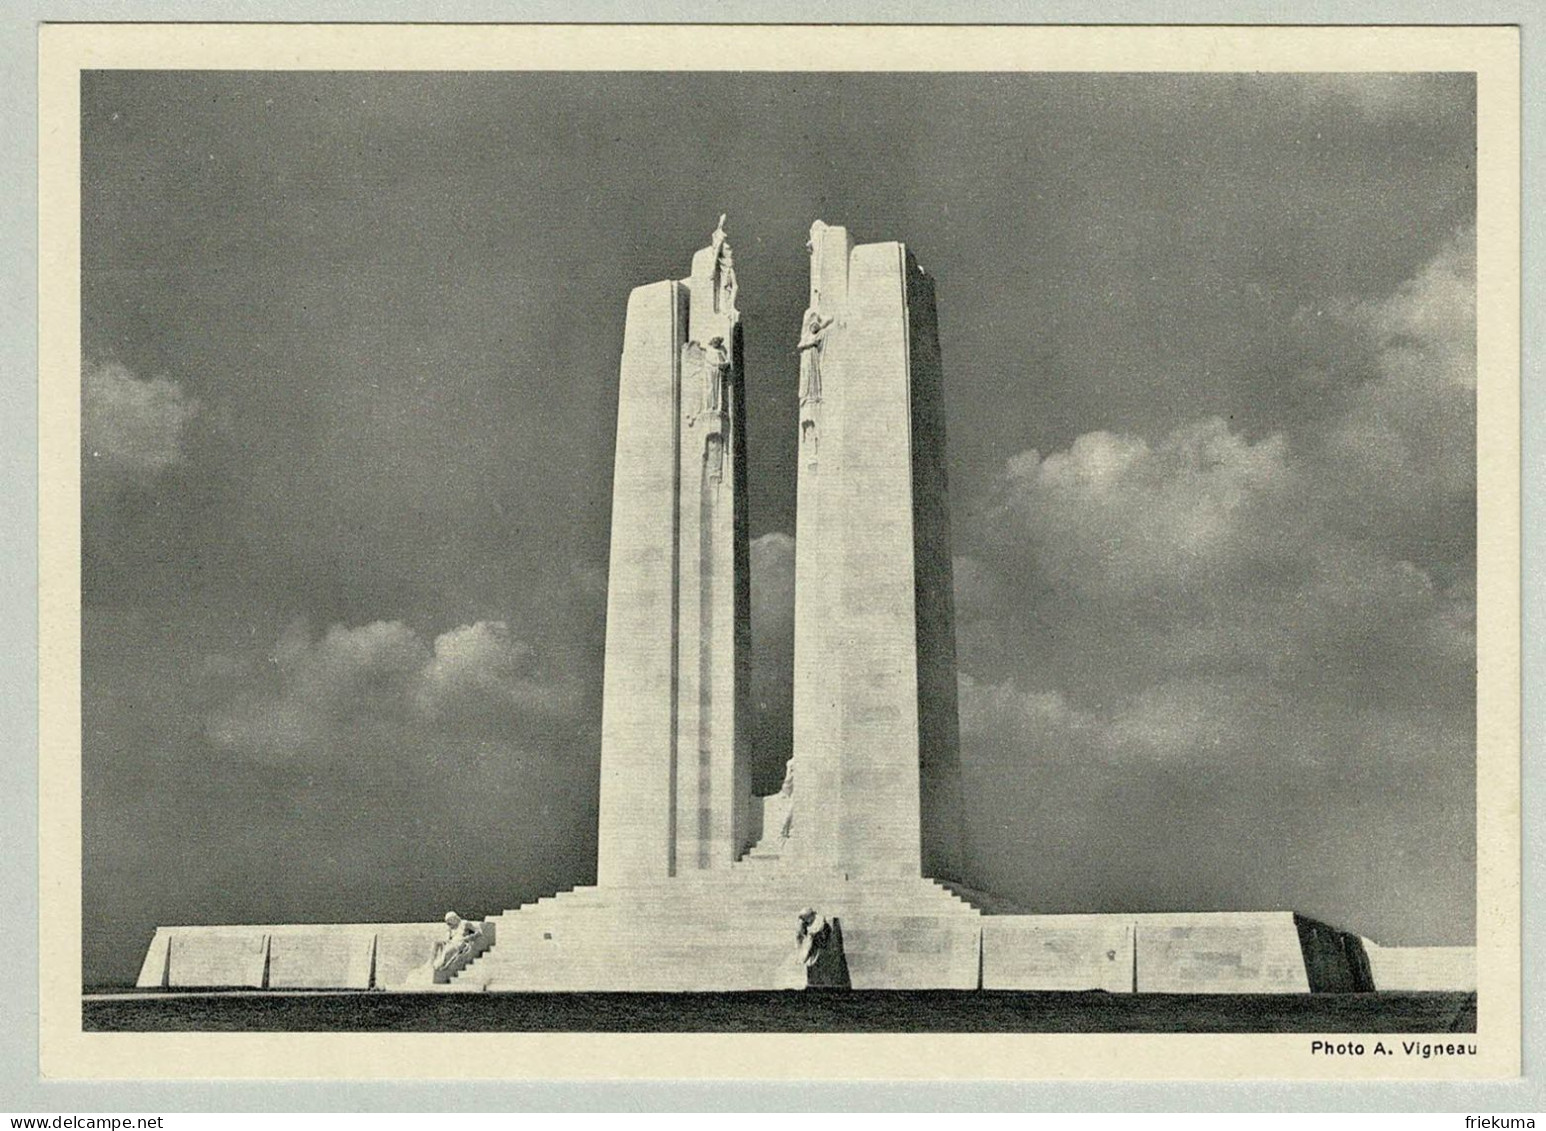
(19, 48)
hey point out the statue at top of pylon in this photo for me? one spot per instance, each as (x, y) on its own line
(724, 269)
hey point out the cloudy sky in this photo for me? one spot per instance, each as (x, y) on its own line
(349, 384)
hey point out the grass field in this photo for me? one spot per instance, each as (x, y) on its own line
(869, 1011)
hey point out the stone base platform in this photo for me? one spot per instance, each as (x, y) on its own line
(735, 930)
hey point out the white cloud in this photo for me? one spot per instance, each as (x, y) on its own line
(347, 661)
(1175, 722)
(1179, 721)
(1377, 96)
(381, 678)
(482, 665)
(131, 428)
(1114, 515)
(1029, 719)
(1410, 431)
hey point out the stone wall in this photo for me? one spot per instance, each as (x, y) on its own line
(355, 956)
(1219, 952)
(303, 957)
(1057, 952)
(1206, 952)
(1422, 967)
(218, 956)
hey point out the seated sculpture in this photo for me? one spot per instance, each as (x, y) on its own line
(456, 949)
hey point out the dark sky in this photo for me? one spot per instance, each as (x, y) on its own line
(351, 350)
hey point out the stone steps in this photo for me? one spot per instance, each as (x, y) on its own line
(729, 930)
(742, 883)
(730, 907)
(955, 895)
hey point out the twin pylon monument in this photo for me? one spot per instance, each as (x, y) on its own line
(875, 759)
(849, 874)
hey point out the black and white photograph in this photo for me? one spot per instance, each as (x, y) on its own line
(755, 550)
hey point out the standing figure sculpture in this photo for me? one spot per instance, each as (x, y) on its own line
(716, 362)
(813, 332)
(724, 269)
(786, 791)
(712, 410)
(814, 246)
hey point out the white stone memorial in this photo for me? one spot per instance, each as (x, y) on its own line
(701, 886)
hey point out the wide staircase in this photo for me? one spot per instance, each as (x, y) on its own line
(733, 929)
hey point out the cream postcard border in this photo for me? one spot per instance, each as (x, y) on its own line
(65, 50)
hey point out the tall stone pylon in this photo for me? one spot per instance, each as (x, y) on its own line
(675, 766)
(876, 767)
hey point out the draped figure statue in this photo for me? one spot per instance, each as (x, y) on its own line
(716, 362)
(813, 332)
